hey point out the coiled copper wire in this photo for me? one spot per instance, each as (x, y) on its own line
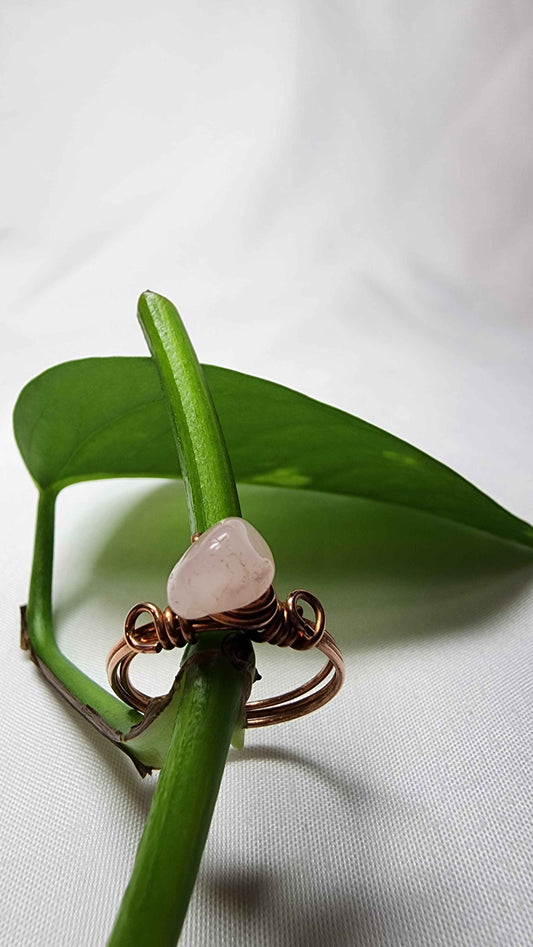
(267, 620)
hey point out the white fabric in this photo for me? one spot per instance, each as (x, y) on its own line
(337, 197)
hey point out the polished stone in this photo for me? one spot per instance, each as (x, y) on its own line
(229, 566)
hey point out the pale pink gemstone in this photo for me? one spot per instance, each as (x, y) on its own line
(229, 566)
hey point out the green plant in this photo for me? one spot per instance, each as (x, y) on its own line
(119, 417)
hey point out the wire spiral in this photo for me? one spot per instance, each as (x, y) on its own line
(164, 632)
(269, 620)
(265, 620)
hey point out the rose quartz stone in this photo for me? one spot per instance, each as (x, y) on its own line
(229, 566)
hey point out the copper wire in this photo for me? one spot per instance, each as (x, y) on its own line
(267, 620)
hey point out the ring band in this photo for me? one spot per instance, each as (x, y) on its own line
(266, 620)
(292, 704)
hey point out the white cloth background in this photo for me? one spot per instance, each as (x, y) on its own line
(337, 196)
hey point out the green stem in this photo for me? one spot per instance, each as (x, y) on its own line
(41, 631)
(213, 687)
(203, 456)
(168, 858)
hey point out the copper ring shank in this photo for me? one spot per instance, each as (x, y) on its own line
(258, 713)
(292, 704)
(266, 620)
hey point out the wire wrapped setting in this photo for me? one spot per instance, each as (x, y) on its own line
(267, 620)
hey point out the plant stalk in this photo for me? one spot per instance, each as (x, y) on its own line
(216, 674)
(202, 453)
(168, 858)
(39, 619)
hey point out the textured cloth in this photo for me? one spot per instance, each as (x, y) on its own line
(337, 197)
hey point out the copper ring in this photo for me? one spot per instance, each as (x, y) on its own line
(266, 620)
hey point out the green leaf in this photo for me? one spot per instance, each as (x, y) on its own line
(105, 417)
